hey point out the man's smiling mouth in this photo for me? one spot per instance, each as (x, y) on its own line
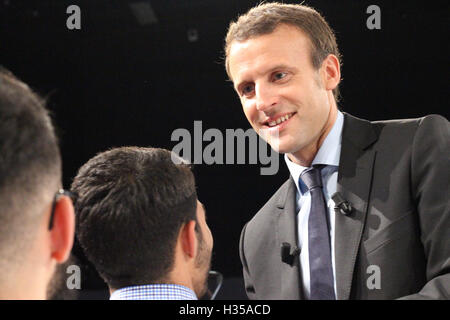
(274, 121)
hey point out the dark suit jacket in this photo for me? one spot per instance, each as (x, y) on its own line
(396, 175)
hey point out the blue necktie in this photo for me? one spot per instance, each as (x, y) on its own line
(320, 267)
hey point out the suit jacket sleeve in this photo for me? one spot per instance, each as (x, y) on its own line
(430, 187)
(249, 289)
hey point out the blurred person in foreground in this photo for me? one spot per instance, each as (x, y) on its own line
(141, 225)
(36, 216)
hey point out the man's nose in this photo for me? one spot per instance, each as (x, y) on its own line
(265, 97)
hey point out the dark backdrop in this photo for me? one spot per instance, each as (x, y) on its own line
(117, 82)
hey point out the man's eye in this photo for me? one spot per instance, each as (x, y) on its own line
(247, 89)
(279, 75)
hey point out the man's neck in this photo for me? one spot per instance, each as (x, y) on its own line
(305, 156)
(18, 292)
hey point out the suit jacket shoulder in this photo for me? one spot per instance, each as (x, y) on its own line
(396, 173)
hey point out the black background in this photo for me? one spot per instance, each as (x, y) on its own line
(116, 82)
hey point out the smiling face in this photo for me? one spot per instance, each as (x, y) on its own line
(287, 101)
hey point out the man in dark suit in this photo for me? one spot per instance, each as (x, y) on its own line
(365, 211)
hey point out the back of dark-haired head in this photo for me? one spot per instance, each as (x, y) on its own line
(266, 17)
(30, 168)
(131, 203)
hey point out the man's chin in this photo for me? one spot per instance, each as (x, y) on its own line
(201, 290)
(288, 146)
(204, 293)
(282, 148)
(284, 145)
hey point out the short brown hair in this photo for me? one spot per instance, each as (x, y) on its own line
(131, 203)
(264, 18)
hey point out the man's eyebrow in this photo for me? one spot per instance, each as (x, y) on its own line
(281, 66)
(278, 66)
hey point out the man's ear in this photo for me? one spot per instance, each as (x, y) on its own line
(331, 72)
(63, 231)
(188, 239)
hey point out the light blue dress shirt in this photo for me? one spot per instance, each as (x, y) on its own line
(154, 292)
(328, 155)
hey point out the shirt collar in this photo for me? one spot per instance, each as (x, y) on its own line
(328, 154)
(154, 292)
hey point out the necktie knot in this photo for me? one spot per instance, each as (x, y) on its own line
(312, 178)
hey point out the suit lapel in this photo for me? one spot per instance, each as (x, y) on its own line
(354, 182)
(287, 232)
